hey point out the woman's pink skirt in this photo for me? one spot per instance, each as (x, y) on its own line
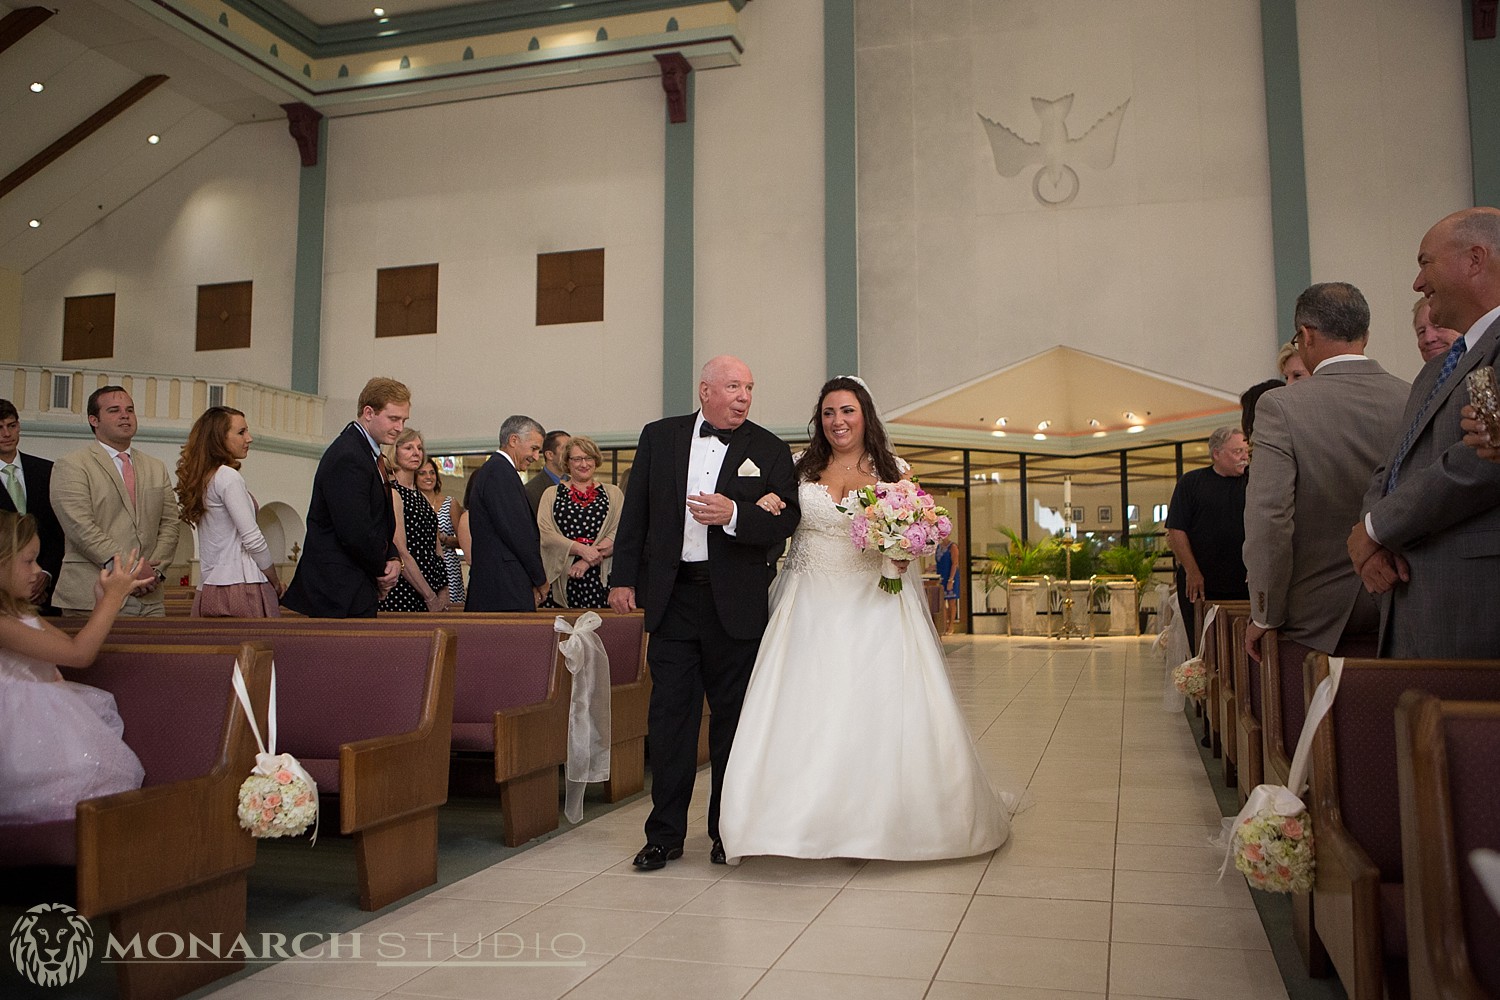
(237, 600)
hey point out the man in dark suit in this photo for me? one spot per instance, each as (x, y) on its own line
(349, 559)
(1429, 539)
(691, 550)
(554, 467)
(1316, 443)
(506, 556)
(27, 489)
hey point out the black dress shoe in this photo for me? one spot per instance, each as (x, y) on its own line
(716, 854)
(654, 856)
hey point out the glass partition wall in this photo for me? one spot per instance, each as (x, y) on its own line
(1006, 503)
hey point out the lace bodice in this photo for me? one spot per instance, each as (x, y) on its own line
(821, 542)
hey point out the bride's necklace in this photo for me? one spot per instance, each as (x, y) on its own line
(857, 466)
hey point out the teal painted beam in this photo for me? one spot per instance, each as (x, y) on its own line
(1289, 240)
(1482, 60)
(677, 262)
(307, 294)
(840, 209)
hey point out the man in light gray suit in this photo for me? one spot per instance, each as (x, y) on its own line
(1430, 536)
(1316, 442)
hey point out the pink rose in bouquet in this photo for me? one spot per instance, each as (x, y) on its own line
(899, 520)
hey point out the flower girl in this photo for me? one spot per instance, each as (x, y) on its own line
(59, 741)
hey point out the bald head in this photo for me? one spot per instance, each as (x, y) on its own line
(1458, 267)
(724, 389)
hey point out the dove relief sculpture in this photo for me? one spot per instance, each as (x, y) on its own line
(1054, 150)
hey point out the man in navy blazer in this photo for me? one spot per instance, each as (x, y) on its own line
(29, 479)
(703, 581)
(349, 558)
(506, 560)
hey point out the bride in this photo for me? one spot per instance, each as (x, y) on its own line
(850, 743)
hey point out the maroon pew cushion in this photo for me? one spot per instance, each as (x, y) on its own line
(1473, 749)
(474, 735)
(54, 843)
(173, 706)
(332, 690)
(1364, 716)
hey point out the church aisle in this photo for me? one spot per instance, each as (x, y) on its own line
(1106, 888)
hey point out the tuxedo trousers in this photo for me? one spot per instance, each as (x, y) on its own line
(691, 656)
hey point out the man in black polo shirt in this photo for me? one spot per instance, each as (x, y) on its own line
(1206, 527)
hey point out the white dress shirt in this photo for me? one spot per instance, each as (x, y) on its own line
(705, 460)
(115, 457)
(231, 548)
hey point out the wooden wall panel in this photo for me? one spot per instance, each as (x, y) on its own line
(570, 287)
(224, 315)
(406, 300)
(88, 327)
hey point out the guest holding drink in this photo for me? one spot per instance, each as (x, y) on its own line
(578, 519)
(239, 579)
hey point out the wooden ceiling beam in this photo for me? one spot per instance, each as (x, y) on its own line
(19, 23)
(79, 132)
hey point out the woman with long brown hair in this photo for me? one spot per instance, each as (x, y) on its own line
(238, 578)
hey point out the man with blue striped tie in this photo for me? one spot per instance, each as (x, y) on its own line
(1429, 541)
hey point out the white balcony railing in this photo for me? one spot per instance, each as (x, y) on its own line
(166, 404)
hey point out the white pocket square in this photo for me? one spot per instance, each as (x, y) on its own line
(749, 468)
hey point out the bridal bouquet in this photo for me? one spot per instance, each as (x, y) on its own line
(899, 520)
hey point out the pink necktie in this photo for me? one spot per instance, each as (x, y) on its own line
(127, 472)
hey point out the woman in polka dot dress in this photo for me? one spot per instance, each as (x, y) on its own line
(578, 520)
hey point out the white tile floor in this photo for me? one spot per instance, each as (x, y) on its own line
(1106, 888)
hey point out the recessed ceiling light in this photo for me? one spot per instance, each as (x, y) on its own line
(1001, 422)
(378, 11)
(1039, 437)
(1129, 416)
(153, 138)
(38, 87)
(998, 434)
(35, 223)
(1044, 425)
(1093, 422)
(1100, 434)
(1136, 429)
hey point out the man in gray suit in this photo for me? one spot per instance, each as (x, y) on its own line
(1430, 536)
(1316, 442)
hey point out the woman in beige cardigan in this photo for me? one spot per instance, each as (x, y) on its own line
(578, 519)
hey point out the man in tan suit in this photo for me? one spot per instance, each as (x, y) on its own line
(1316, 443)
(112, 500)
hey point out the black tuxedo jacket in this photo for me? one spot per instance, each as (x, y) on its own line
(507, 549)
(38, 475)
(648, 546)
(351, 531)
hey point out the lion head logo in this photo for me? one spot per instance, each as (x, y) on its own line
(51, 944)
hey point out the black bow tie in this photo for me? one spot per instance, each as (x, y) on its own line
(707, 429)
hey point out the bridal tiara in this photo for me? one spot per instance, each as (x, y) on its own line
(856, 378)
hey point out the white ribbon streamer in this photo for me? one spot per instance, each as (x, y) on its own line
(1285, 800)
(1487, 866)
(1172, 644)
(268, 761)
(588, 712)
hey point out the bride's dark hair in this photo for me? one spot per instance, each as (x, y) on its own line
(820, 452)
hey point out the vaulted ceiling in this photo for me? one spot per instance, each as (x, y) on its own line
(79, 98)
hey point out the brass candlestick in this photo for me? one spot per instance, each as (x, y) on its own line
(1070, 629)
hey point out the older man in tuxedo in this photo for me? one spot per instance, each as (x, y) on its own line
(112, 499)
(349, 559)
(691, 551)
(1316, 443)
(27, 482)
(506, 554)
(1429, 539)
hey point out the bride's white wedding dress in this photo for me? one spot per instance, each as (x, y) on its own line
(850, 743)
